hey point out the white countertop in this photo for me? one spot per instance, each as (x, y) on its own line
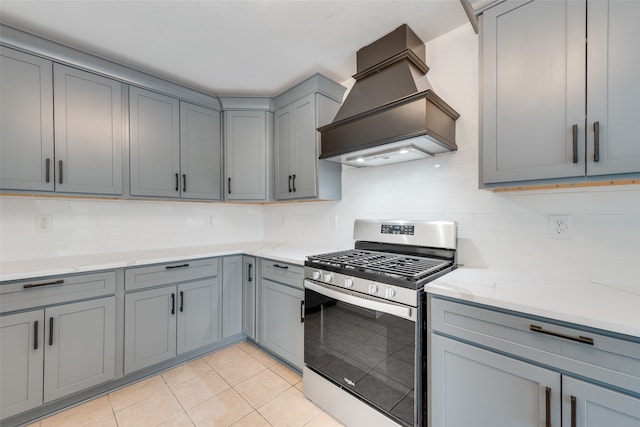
(605, 306)
(34, 268)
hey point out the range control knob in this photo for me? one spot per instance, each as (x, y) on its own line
(328, 277)
(390, 293)
(373, 288)
(315, 275)
(348, 282)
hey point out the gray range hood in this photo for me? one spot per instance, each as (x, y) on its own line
(391, 114)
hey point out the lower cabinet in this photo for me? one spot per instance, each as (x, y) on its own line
(493, 390)
(75, 343)
(249, 296)
(163, 322)
(232, 295)
(491, 368)
(281, 317)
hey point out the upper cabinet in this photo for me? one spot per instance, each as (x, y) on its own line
(299, 112)
(175, 147)
(87, 154)
(538, 79)
(247, 136)
(88, 132)
(26, 122)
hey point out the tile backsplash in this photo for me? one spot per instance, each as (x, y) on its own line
(507, 231)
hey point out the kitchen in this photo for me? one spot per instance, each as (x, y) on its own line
(505, 232)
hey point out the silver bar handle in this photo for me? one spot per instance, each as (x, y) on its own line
(35, 335)
(294, 183)
(596, 141)
(37, 285)
(60, 172)
(51, 331)
(573, 411)
(302, 311)
(579, 338)
(47, 167)
(574, 130)
(361, 301)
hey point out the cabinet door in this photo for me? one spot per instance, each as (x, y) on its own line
(88, 132)
(154, 144)
(199, 314)
(475, 387)
(533, 77)
(245, 155)
(80, 347)
(284, 153)
(150, 327)
(613, 92)
(22, 343)
(200, 152)
(282, 331)
(588, 405)
(306, 151)
(26, 122)
(231, 296)
(249, 296)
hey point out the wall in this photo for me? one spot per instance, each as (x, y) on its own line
(498, 230)
(82, 227)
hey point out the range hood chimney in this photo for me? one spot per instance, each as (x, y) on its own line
(391, 114)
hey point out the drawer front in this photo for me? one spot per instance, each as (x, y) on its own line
(289, 274)
(174, 272)
(54, 290)
(564, 346)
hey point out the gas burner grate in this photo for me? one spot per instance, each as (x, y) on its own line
(408, 267)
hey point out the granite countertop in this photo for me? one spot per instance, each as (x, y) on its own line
(606, 306)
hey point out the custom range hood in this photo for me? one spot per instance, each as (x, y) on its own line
(391, 114)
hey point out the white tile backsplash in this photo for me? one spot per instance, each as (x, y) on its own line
(501, 230)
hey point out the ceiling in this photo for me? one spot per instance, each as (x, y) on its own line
(231, 47)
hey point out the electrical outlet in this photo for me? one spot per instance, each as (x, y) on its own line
(43, 224)
(334, 221)
(558, 226)
(211, 222)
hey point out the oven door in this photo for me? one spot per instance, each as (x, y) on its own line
(367, 346)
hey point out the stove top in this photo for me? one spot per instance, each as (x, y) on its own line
(405, 267)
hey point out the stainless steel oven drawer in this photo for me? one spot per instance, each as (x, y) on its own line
(282, 272)
(567, 347)
(174, 272)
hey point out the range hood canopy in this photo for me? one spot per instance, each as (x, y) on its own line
(391, 102)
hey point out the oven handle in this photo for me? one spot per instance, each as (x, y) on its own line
(405, 312)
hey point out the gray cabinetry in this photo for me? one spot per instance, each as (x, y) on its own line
(535, 71)
(88, 132)
(154, 141)
(200, 152)
(232, 295)
(170, 309)
(246, 137)
(87, 154)
(300, 111)
(60, 348)
(462, 375)
(281, 310)
(589, 405)
(26, 122)
(22, 342)
(249, 296)
(175, 147)
(531, 367)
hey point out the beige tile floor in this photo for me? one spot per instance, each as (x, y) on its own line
(238, 386)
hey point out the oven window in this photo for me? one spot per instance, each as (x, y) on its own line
(369, 353)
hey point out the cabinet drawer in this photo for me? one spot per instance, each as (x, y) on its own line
(567, 347)
(24, 294)
(289, 274)
(174, 272)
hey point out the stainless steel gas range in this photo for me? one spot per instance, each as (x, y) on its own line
(365, 321)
